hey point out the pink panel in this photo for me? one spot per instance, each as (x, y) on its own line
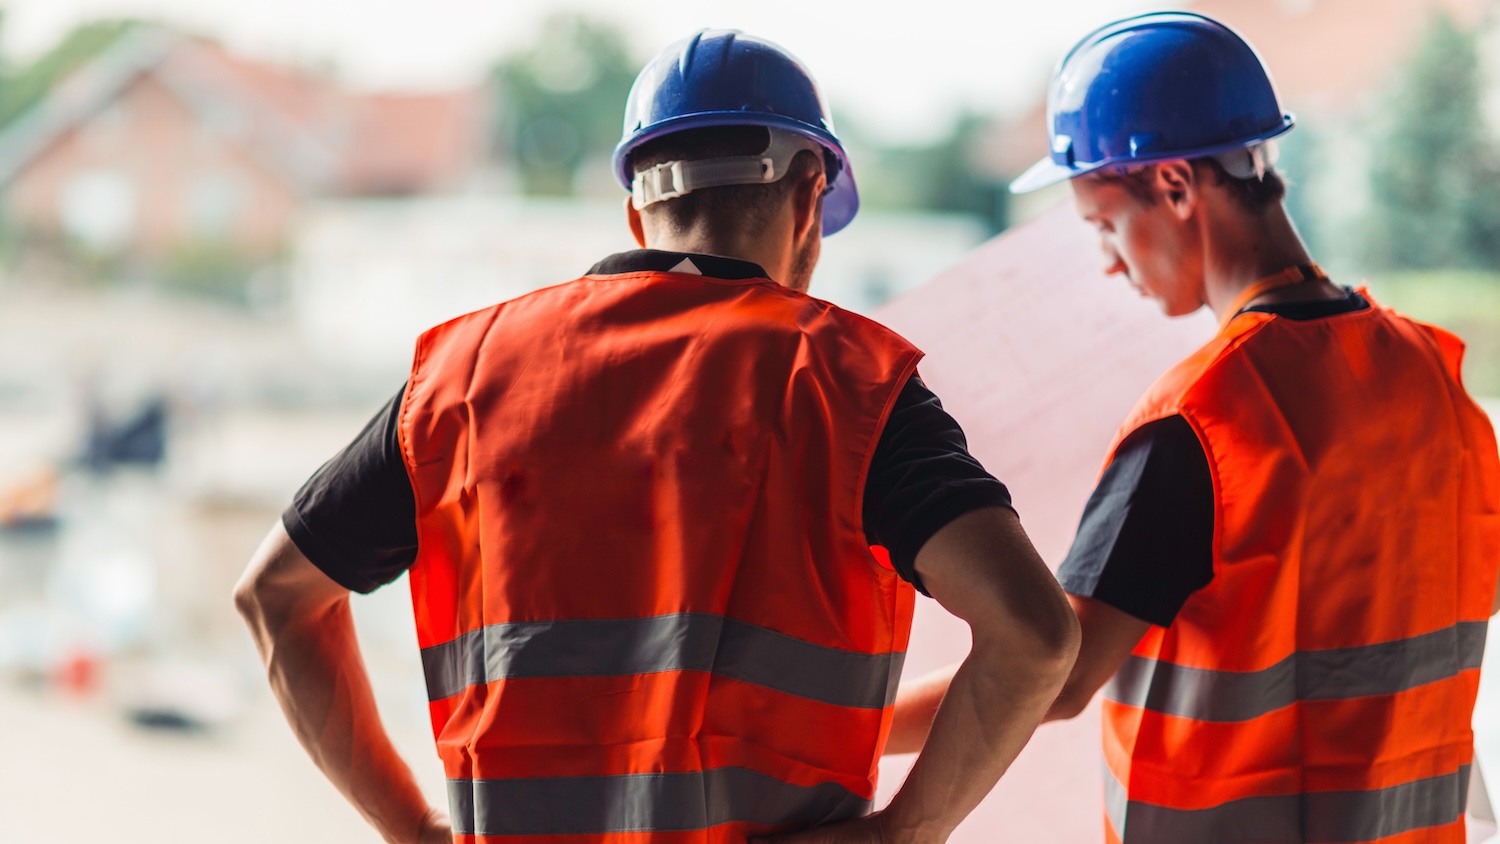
(1039, 357)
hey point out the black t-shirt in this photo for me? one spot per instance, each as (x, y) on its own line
(355, 518)
(1145, 542)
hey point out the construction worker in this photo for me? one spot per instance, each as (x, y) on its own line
(1286, 569)
(637, 510)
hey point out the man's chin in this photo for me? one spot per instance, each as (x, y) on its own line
(1178, 309)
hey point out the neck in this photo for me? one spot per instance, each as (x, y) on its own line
(773, 256)
(1242, 249)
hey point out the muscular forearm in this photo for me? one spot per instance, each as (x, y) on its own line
(983, 569)
(316, 672)
(992, 706)
(916, 705)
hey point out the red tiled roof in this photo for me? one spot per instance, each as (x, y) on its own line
(317, 135)
(411, 141)
(384, 143)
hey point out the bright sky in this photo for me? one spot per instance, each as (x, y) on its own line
(902, 70)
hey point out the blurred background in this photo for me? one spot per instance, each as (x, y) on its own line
(223, 224)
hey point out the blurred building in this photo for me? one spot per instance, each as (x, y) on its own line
(1332, 61)
(368, 276)
(164, 140)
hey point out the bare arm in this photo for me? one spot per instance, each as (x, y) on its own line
(1109, 636)
(301, 624)
(982, 568)
(917, 704)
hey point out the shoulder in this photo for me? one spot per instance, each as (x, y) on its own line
(1448, 346)
(1167, 395)
(820, 314)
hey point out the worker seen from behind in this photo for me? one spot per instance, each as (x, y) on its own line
(1285, 572)
(637, 510)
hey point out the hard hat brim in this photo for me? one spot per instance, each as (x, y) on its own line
(841, 203)
(1048, 172)
(1043, 174)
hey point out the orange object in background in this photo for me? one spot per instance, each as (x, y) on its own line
(29, 501)
(707, 653)
(78, 674)
(1329, 670)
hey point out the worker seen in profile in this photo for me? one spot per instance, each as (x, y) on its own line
(1285, 572)
(638, 509)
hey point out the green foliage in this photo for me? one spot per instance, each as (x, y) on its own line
(1466, 302)
(1435, 180)
(209, 269)
(1299, 165)
(940, 177)
(562, 100)
(24, 88)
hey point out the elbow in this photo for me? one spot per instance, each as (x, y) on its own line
(1070, 703)
(1041, 646)
(256, 595)
(1058, 637)
(247, 596)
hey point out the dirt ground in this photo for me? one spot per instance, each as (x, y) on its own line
(80, 771)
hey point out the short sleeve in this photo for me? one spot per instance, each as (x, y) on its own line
(921, 478)
(1145, 542)
(356, 517)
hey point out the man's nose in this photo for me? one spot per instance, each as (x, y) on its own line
(1113, 263)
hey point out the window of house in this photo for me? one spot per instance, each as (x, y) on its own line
(98, 208)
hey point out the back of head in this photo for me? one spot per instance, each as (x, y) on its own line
(722, 209)
(713, 125)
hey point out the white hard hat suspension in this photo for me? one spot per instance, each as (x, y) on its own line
(671, 179)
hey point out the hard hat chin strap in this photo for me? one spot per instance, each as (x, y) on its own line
(671, 179)
(1250, 162)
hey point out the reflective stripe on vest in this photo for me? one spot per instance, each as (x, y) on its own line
(642, 803)
(1334, 674)
(1330, 817)
(679, 642)
(1321, 687)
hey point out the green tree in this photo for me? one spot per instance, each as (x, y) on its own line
(1300, 164)
(22, 88)
(1435, 183)
(561, 101)
(940, 176)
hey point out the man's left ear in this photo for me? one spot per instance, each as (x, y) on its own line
(807, 201)
(633, 219)
(1177, 184)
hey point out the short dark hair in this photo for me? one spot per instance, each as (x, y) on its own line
(1253, 195)
(728, 206)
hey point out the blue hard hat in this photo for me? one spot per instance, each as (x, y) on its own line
(1151, 88)
(722, 77)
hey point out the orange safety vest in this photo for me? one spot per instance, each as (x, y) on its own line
(1320, 688)
(645, 602)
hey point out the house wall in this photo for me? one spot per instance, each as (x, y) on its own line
(148, 175)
